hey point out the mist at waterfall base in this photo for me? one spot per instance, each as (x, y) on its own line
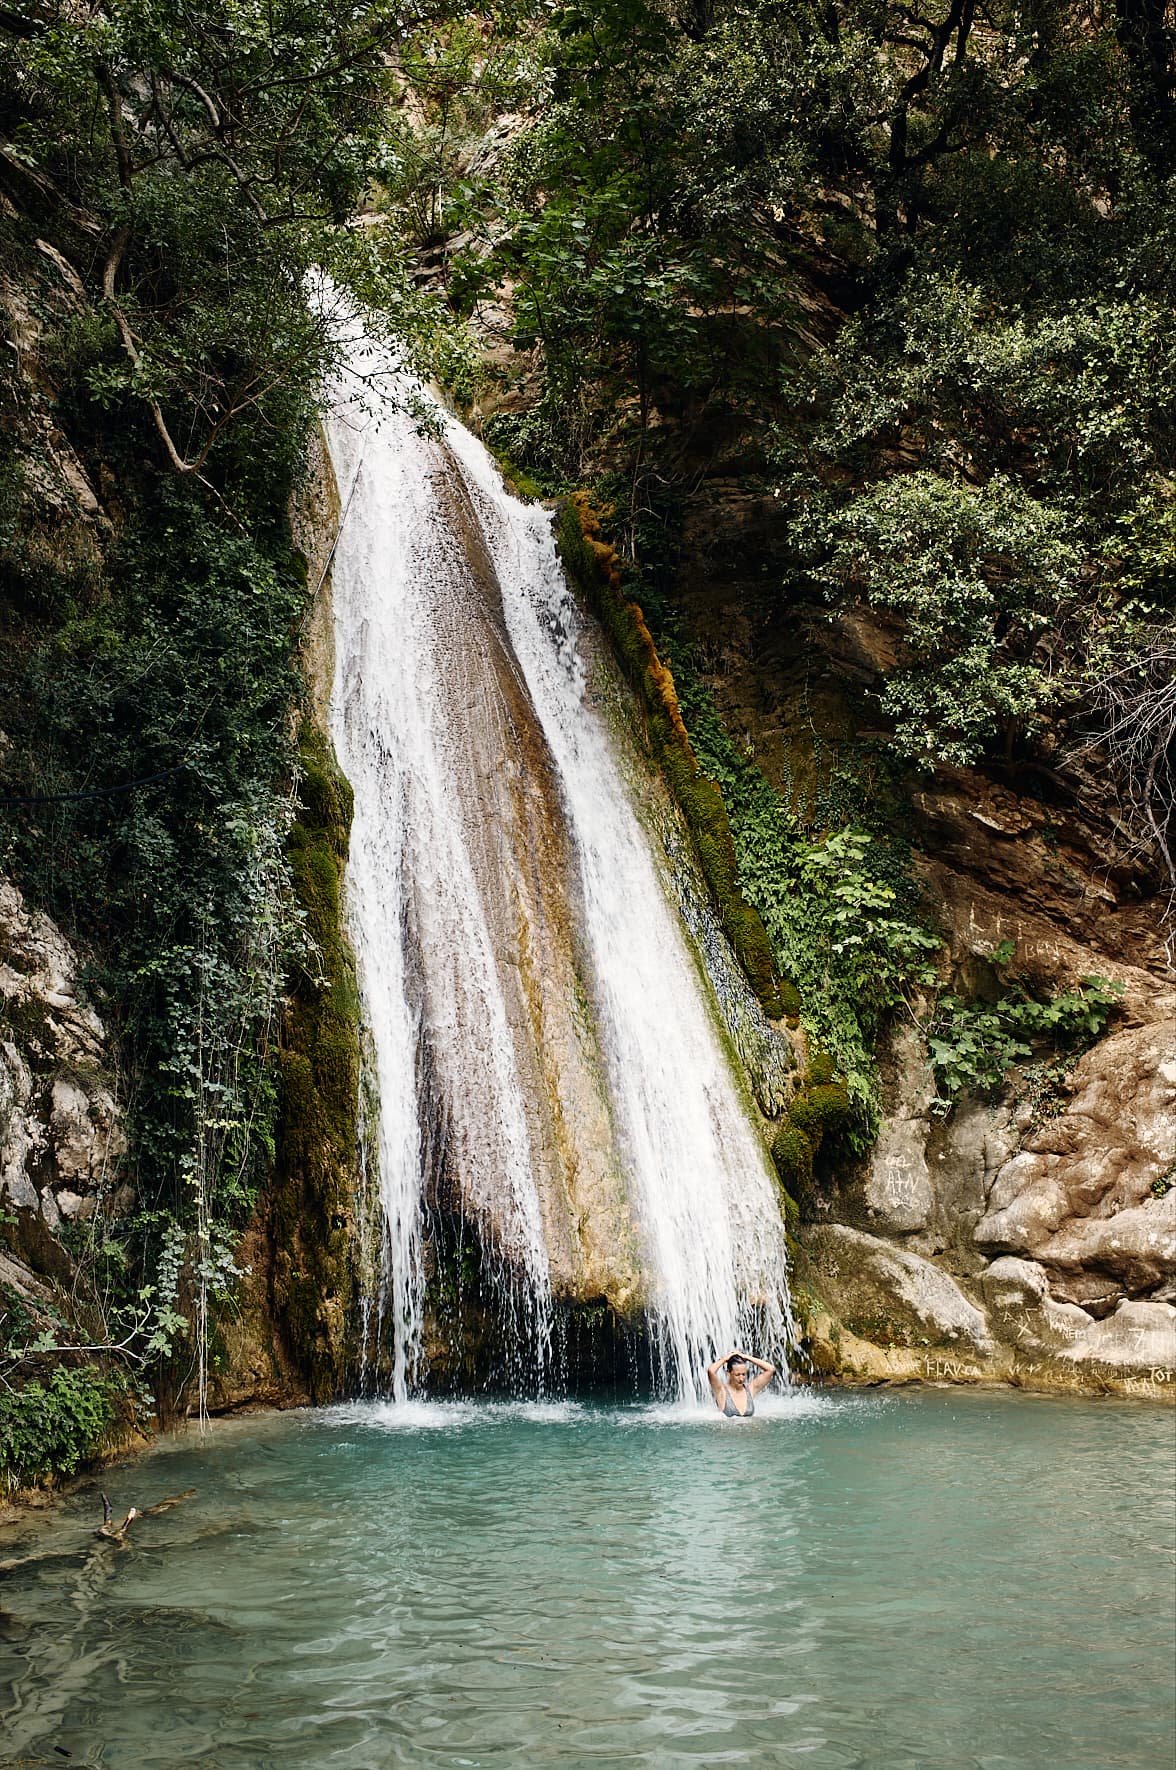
(923, 1580)
(554, 1104)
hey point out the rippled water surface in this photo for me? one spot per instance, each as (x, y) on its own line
(922, 1579)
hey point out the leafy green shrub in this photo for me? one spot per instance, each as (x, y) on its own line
(179, 891)
(1022, 554)
(838, 906)
(51, 1428)
(975, 1044)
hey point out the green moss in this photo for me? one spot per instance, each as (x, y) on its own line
(754, 952)
(596, 570)
(518, 481)
(821, 1068)
(789, 999)
(820, 1107)
(318, 1132)
(324, 794)
(792, 1152)
(300, 1133)
(790, 1211)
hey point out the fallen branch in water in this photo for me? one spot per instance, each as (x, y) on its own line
(108, 1531)
(117, 1533)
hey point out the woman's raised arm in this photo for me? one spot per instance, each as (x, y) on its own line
(766, 1373)
(712, 1373)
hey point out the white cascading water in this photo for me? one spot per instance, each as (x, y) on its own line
(445, 1039)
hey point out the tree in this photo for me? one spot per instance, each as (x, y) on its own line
(221, 151)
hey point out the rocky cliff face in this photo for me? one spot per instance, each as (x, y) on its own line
(1028, 1238)
(998, 1243)
(61, 1120)
(64, 1198)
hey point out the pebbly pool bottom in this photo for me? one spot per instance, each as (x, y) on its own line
(921, 1579)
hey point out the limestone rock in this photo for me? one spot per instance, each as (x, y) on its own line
(15, 1275)
(861, 1360)
(1023, 1312)
(964, 1156)
(1136, 1246)
(879, 1289)
(61, 1134)
(74, 1205)
(38, 970)
(1137, 1337)
(1080, 1196)
(84, 1129)
(994, 884)
(898, 1193)
(925, 1178)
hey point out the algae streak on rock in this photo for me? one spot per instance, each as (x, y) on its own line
(553, 1087)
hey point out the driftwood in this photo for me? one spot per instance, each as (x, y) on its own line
(108, 1531)
(117, 1533)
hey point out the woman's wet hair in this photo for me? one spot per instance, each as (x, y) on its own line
(738, 1358)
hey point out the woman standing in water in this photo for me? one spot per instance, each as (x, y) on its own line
(736, 1397)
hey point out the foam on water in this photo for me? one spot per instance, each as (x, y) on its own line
(447, 1416)
(792, 1404)
(795, 1404)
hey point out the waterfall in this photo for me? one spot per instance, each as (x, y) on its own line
(548, 1064)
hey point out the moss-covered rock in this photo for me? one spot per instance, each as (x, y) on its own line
(312, 1197)
(789, 1000)
(792, 1152)
(819, 1107)
(595, 568)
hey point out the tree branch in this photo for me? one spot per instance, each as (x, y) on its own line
(118, 134)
